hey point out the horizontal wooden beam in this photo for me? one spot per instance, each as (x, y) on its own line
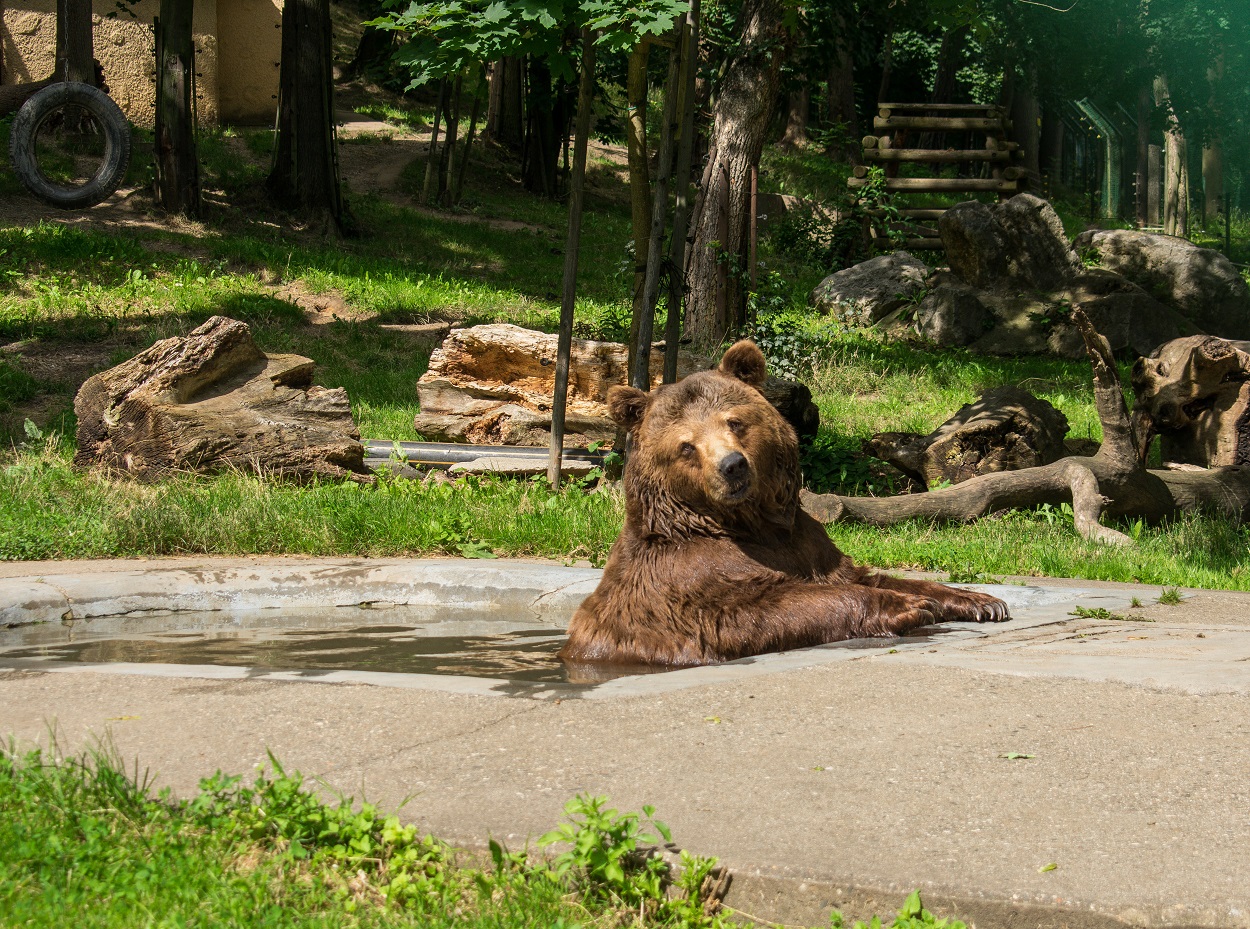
(941, 107)
(936, 156)
(942, 123)
(939, 184)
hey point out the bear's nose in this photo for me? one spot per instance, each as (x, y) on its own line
(734, 466)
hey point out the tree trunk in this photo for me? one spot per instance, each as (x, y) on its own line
(305, 175)
(564, 347)
(1114, 481)
(841, 99)
(1142, 192)
(1176, 172)
(75, 52)
(681, 212)
(950, 54)
(447, 158)
(177, 161)
(1050, 143)
(887, 68)
(640, 376)
(545, 111)
(639, 179)
(1212, 180)
(798, 112)
(740, 119)
(1025, 117)
(505, 119)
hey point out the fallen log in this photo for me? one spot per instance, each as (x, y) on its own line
(1114, 482)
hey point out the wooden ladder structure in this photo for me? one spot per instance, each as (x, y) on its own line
(896, 122)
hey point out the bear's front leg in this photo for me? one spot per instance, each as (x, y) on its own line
(950, 603)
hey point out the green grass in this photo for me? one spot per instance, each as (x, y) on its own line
(84, 842)
(66, 290)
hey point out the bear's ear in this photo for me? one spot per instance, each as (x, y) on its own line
(627, 405)
(745, 361)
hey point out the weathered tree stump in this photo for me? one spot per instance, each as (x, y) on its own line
(212, 400)
(1194, 393)
(1114, 481)
(1007, 429)
(493, 385)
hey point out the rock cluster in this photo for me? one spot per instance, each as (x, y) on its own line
(1013, 279)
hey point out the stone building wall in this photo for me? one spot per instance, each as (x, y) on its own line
(237, 47)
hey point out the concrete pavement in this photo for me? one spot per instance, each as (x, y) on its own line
(832, 777)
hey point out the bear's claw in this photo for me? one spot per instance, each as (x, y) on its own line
(975, 607)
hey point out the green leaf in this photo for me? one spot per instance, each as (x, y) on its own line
(1047, 867)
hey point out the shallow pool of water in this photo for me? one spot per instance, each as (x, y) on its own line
(397, 640)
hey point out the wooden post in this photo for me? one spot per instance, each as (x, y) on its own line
(681, 215)
(177, 163)
(641, 375)
(560, 393)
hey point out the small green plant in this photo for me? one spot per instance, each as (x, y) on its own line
(1135, 604)
(1171, 596)
(834, 463)
(912, 915)
(1101, 612)
(970, 576)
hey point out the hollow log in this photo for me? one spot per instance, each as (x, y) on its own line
(1114, 482)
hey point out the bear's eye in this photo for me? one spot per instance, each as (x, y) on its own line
(687, 450)
(737, 427)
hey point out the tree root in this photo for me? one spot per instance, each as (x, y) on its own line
(1114, 482)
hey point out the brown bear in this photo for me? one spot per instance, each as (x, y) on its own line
(717, 560)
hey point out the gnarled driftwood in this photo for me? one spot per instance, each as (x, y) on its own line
(1114, 482)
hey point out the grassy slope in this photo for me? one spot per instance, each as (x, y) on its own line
(115, 291)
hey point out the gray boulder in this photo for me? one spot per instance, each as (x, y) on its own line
(1200, 283)
(1017, 244)
(865, 293)
(952, 312)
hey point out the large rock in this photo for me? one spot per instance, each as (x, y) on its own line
(1198, 282)
(1007, 429)
(493, 385)
(213, 400)
(861, 295)
(954, 313)
(1017, 244)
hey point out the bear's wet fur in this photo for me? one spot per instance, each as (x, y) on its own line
(717, 560)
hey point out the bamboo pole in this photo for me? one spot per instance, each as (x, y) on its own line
(564, 347)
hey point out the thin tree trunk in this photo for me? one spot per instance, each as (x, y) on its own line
(545, 114)
(797, 115)
(887, 68)
(1212, 180)
(841, 98)
(681, 214)
(1176, 173)
(950, 54)
(505, 110)
(1142, 198)
(177, 161)
(585, 95)
(639, 180)
(458, 189)
(1025, 117)
(740, 117)
(431, 153)
(305, 175)
(659, 209)
(447, 158)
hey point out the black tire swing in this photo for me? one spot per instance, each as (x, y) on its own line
(110, 123)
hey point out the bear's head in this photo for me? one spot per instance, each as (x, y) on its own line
(709, 455)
